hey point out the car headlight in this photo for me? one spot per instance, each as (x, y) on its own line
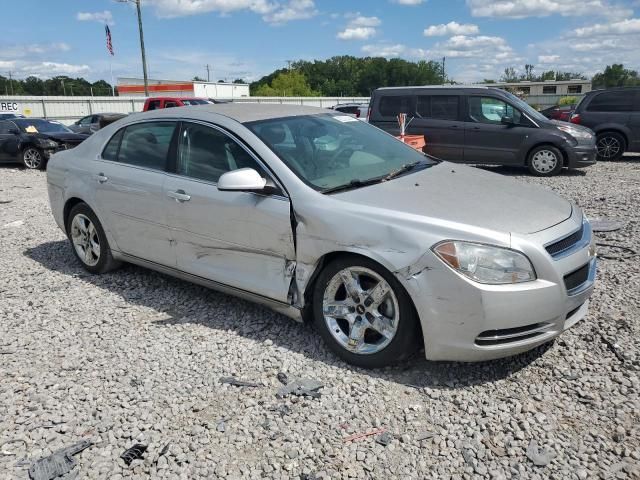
(486, 263)
(48, 144)
(575, 132)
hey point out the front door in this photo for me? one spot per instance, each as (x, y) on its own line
(240, 239)
(8, 142)
(487, 139)
(129, 178)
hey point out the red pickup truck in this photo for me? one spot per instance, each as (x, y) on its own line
(154, 103)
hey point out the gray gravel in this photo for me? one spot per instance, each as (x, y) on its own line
(136, 357)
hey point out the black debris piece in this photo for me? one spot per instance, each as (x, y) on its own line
(540, 456)
(2, 202)
(305, 387)
(282, 378)
(283, 410)
(239, 383)
(58, 463)
(384, 439)
(164, 450)
(612, 346)
(424, 436)
(134, 453)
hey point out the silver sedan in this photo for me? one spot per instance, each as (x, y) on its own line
(322, 217)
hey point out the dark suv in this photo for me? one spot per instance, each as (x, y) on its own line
(483, 125)
(614, 115)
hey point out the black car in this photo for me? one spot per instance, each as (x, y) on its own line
(7, 116)
(614, 115)
(484, 126)
(32, 141)
(93, 123)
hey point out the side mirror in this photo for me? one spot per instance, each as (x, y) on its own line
(507, 120)
(242, 180)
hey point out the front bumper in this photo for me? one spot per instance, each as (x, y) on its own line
(581, 156)
(467, 321)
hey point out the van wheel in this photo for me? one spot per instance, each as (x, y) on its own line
(610, 146)
(364, 314)
(545, 161)
(89, 241)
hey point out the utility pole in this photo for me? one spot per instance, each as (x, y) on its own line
(11, 82)
(208, 73)
(64, 90)
(444, 77)
(144, 58)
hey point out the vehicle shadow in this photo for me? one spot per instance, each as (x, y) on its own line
(523, 172)
(179, 302)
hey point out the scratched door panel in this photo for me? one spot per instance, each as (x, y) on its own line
(237, 238)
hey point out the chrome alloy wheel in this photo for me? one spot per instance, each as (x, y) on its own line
(608, 147)
(544, 161)
(361, 310)
(32, 158)
(85, 239)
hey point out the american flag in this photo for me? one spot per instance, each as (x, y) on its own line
(109, 44)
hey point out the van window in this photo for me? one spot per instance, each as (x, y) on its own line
(491, 110)
(392, 105)
(439, 107)
(619, 101)
(146, 144)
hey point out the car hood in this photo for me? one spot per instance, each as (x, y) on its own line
(468, 196)
(68, 137)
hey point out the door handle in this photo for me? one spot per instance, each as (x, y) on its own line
(453, 126)
(101, 178)
(179, 196)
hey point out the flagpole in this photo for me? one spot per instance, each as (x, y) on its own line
(113, 90)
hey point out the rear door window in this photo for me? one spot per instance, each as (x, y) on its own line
(110, 152)
(170, 104)
(620, 101)
(392, 105)
(153, 105)
(147, 144)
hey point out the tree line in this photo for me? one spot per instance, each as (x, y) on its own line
(59, 85)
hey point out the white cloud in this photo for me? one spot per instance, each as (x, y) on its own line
(547, 59)
(451, 28)
(386, 51)
(463, 46)
(102, 17)
(544, 8)
(409, 2)
(359, 28)
(623, 27)
(293, 10)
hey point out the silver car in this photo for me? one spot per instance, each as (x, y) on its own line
(318, 215)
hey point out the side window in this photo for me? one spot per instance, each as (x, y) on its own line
(206, 153)
(5, 127)
(146, 144)
(440, 107)
(85, 120)
(620, 101)
(169, 104)
(491, 110)
(110, 151)
(423, 106)
(154, 104)
(352, 110)
(392, 105)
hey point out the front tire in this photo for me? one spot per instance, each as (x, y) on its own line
(88, 240)
(364, 314)
(545, 161)
(33, 158)
(610, 146)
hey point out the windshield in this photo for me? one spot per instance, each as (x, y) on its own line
(35, 125)
(329, 151)
(526, 108)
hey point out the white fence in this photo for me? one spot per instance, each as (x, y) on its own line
(69, 109)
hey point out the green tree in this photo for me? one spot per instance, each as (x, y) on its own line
(239, 80)
(198, 79)
(287, 84)
(509, 75)
(616, 76)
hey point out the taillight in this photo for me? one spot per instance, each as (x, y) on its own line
(575, 118)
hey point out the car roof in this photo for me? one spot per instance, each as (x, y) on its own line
(240, 112)
(614, 89)
(436, 87)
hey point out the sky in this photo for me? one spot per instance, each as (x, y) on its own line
(250, 38)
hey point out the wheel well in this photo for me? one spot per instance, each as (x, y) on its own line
(72, 202)
(324, 260)
(565, 157)
(612, 130)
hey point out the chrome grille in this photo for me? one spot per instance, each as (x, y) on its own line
(508, 335)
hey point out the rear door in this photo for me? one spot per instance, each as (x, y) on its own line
(438, 118)
(634, 125)
(240, 239)
(612, 107)
(129, 178)
(487, 139)
(8, 142)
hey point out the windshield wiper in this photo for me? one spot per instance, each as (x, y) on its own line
(355, 183)
(403, 169)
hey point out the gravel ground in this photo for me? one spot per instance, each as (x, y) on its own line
(137, 357)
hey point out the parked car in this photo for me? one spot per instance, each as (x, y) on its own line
(155, 103)
(7, 116)
(614, 115)
(559, 112)
(359, 110)
(386, 249)
(483, 125)
(93, 123)
(31, 141)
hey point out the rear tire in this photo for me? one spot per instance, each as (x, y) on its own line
(545, 161)
(88, 240)
(610, 146)
(373, 326)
